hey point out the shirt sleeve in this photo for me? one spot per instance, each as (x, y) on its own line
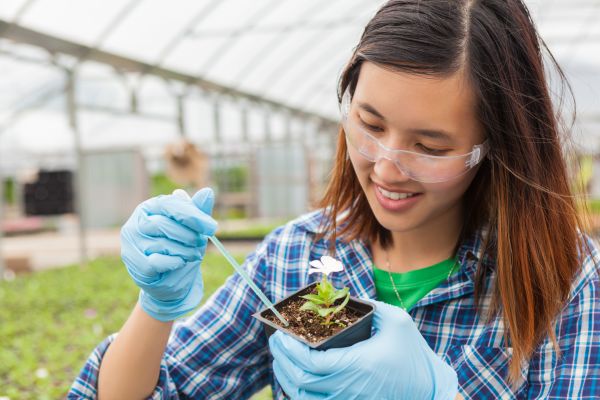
(574, 373)
(220, 352)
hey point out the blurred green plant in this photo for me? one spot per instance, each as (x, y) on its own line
(9, 190)
(257, 232)
(161, 184)
(51, 321)
(594, 206)
(234, 213)
(583, 175)
(231, 179)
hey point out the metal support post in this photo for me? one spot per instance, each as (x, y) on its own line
(267, 126)
(181, 115)
(244, 123)
(71, 104)
(218, 157)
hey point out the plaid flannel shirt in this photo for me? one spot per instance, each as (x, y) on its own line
(221, 352)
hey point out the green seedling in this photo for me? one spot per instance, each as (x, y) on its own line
(322, 303)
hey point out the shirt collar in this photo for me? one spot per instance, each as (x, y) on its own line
(469, 255)
(358, 274)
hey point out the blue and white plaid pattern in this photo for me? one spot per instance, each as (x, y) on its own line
(221, 352)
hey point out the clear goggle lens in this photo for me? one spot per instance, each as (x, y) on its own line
(420, 167)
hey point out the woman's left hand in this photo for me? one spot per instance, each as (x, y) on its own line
(395, 363)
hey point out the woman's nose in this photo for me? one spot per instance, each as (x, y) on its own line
(388, 171)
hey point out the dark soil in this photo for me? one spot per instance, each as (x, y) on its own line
(307, 324)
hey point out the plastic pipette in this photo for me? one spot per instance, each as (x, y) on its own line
(183, 194)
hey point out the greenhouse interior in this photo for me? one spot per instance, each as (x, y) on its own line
(104, 104)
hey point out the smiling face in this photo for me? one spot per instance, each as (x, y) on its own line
(424, 114)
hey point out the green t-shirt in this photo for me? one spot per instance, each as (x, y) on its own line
(412, 286)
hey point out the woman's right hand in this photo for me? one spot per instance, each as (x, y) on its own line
(162, 246)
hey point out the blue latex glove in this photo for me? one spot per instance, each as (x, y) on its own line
(162, 246)
(395, 363)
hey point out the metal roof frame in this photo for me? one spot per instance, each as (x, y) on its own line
(55, 45)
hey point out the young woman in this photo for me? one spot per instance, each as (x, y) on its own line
(449, 199)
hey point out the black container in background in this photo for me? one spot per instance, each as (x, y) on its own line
(50, 194)
(359, 330)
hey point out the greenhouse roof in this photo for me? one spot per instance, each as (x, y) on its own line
(281, 53)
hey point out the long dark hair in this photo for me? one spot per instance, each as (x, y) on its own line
(522, 189)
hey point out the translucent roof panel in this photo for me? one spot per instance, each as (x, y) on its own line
(236, 43)
(83, 21)
(288, 51)
(571, 28)
(25, 83)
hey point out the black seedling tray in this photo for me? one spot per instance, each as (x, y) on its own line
(359, 330)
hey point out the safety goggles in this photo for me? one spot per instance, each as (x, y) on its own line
(418, 166)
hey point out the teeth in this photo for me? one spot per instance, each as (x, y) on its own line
(394, 196)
